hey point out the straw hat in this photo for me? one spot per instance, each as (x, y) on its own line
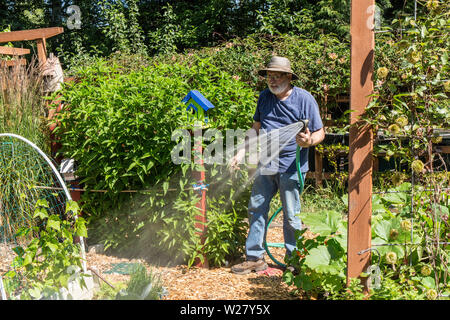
(280, 64)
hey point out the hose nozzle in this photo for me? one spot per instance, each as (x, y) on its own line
(304, 124)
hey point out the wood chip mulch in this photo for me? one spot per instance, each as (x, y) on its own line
(198, 283)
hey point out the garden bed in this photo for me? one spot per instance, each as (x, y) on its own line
(196, 283)
(210, 284)
(204, 284)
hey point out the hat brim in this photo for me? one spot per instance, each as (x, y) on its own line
(263, 72)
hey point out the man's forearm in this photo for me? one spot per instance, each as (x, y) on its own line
(317, 137)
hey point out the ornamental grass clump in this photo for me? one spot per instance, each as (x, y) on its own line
(22, 107)
(143, 285)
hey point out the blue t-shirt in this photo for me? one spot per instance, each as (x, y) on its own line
(274, 114)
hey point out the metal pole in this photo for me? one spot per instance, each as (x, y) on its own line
(361, 138)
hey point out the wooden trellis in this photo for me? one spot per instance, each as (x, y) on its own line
(38, 35)
(361, 161)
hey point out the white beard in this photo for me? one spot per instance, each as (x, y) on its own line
(281, 88)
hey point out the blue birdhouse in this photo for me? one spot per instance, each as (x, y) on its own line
(197, 107)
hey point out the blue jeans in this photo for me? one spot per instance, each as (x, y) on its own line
(264, 189)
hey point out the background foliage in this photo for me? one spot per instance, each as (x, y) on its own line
(130, 25)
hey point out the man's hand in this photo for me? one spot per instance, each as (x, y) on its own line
(233, 164)
(307, 139)
(304, 139)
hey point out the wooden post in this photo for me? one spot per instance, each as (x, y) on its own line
(42, 51)
(361, 139)
(27, 35)
(318, 161)
(199, 176)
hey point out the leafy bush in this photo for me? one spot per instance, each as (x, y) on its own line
(118, 126)
(48, 262)
(323, 64)
(320, 261)
(407, 272)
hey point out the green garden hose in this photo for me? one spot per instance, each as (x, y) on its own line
(301, 187)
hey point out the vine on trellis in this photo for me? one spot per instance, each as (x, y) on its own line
(410, 107)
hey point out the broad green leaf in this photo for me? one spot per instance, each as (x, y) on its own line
(342, 239)
(333, 268)
(63, 279)
(334, 248)
(395, 198)
(54, 224)
(429, 282)
(324, 223)
(288, 277)
(382, 250)
(383, 229)
(40, 213)
(318, 257)
(303, 281)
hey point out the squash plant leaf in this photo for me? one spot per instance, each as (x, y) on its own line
(318, 257)
(325, 224)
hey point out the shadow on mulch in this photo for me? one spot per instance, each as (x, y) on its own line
(270, 288)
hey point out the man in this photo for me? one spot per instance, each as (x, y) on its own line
(279, 105)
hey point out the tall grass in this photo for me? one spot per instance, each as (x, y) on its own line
(316, 200)
(23, 112)
(25, 178)
(22, 107)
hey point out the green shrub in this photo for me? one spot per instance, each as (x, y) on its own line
(48, 262)
(118, 124)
